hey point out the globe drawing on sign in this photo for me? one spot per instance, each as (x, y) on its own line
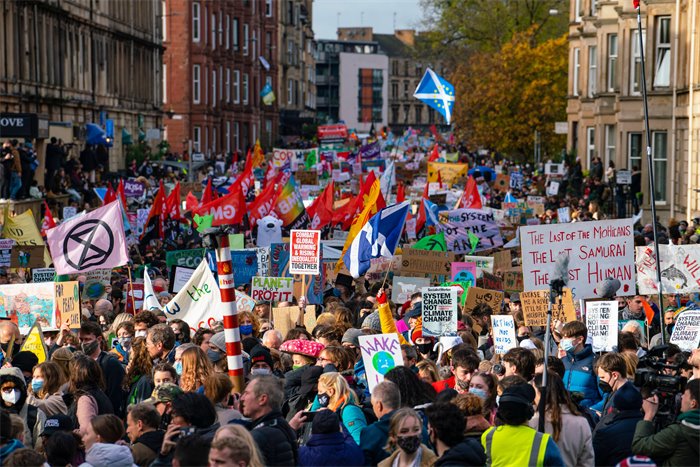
(464, 276)
(383, 362)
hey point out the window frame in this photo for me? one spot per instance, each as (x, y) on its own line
(660, 181)
(196, 22)
(611, 79)
(658, 47)
(196, 83)
(592, 70)
(576, 71)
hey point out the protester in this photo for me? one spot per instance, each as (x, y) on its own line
(612, 436)
(89, 398)
(142, 422)
(45, 389)
(446, 431)
(404, 441)
(138, 383)
(14, 399)
(196, 369)
(386, 400)
(328, 445)
(234, 443)
(103, 429)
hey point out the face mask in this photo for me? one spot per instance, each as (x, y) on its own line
(90, 347)
(566, 344)
(522, 338)
(140, 333)
(479, 392)
(425, 348)
(336, 292)
(409, 444)
(11, 397)
(605, 386)
(37, 384)
(260, 371)
(178, 367)
(463, 385)
(323, 400)
(296, 367)
(246, 329)
(125, 342)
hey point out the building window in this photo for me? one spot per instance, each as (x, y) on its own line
(290, 51)
(405, 89)
(590, 145)
(197, 139)
(634, 150)
(221, 83)
(236, 136)
(165, 83)
(228, 85)
(234, 33)
(213, 88)
(196, 80)
(609, 144)
(227, 136)
(660, 156)
(594, 7)
(592, 70)
(290, 91)
(245, 88)
(369, 95)
(268, 132)
(395, 114)
(245, 39)
(636, 64)
(577, 11)
(577, 70)
(255, 43)
(213, 31)
(196, 28)
(268, 8)
(662, 73)
(236, 87)
(213, 139)
(419, 113)
(394, 90)
(221, 29)
(612, 62)
(228, 32)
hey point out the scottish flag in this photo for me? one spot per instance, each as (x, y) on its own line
(378, 237)
(431, 213)
(437, 93)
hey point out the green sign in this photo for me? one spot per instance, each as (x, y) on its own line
(187, 258)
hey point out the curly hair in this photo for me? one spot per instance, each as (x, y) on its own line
(253, 319)
(469, 404)
(413, 390)
(196, 368)
(139, 362)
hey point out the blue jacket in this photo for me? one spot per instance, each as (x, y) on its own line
(579, 376)
(373, 439)
(352, 416)
(331, 449)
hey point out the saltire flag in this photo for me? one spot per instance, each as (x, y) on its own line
(110, 195)
(172, 204)
(471, 199)
(377, 238)
(435, 91)
(227, 210)
(150, 299)
(388, 179)
(432, 242)
(258, 154)
(510, 198)
(321, 210)
(262, 205)
(431, 212)
(47, 221)
(153, 228)
(207, 194)
(91, 241)
(289, 207)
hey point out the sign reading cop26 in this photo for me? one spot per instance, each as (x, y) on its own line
(597, 250)
(380, 353)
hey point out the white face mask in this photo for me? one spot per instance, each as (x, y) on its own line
(11, 397)
(140, 333)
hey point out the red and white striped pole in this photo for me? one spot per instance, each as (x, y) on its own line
(234, 356)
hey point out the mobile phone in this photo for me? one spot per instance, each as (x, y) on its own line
(187, 431)
(309, 416)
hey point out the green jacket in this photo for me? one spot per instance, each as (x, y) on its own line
(677, 444)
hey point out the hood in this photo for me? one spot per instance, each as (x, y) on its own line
(152, 439)
(690, 423)
(109, 455)
(468, 452)
(15, 375)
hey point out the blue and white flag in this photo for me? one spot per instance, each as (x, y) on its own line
(510, 198)
(437, 93)
(378, 237)
(431, 213)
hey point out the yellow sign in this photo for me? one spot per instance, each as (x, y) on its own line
(67, 296)
(23, 230)
(449, 173)
(34, 343)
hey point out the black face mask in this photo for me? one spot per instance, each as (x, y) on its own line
(323, 400)
(522, 338)
(605, 387)
(424, 348)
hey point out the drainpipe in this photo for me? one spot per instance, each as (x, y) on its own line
(691, 95)
(676, 22)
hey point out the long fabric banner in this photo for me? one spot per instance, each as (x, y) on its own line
(464, 226)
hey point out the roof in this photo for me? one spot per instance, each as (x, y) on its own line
(392, 46)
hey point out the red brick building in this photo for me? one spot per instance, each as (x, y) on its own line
(218, 57)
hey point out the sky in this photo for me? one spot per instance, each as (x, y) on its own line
(328, 15)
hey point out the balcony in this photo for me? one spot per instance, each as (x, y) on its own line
(325, 80)
(323, 101)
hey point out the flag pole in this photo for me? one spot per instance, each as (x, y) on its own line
(650, 164)
(131, 287)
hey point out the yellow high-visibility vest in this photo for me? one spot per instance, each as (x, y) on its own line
(508, 446)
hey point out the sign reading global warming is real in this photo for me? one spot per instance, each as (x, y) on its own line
(597, 250)
(304, 252)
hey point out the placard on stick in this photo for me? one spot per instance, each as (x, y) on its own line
(686, 332)
(536, 303)
(476, 295)
(272, 289)
(422, 262)
(286, 317)
(68, 303)
(513, 281)
(504, 337)
(601, 322)
(380, 353)
(403, 287)
(305, 252)
(439, 311)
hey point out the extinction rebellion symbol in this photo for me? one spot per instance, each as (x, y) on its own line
(88, 244)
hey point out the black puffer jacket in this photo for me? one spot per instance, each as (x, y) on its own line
(468, 452)
(276, 439)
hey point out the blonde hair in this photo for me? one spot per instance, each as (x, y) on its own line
(253, 318)
(396, 421)
(119, 319)
(326, 319)
(343, 394)
(239, 440)
(196, 368)
(430, 367)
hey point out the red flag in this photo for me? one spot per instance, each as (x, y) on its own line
(321, 210)
(110, 196)
(263, 204)
(470, 198)
(121, 194)
(47, 221)
(344, 212)
(227, 209)
(400, 193)
(153, 229)
(422, 216)
(360, 201)
(246, 180)
(433, 130)
(435, 154)
(248, 160)
(191, 202)
(172, 204)
(207, 194)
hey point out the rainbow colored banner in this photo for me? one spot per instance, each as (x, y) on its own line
(290, 207)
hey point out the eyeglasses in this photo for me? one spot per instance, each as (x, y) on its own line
(321, 359)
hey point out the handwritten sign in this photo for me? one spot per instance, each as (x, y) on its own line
(380, 353)
(490, 281)
(25, 304)
(597, 250)
(504, 337)
(680, 269)
(285, 318)
(564, 215)
(686, 332)
(403, 287)
(96, 283)
(43, 275)
(601, 322)
(483, 263)
(68, 303)
(34, 343)
(476, 295)
(459, 223)
(304, 252)
(27, 256)
(502, 260)
(272, 289)
(513, 281)
(186, 258)
(535, 304)
(69, 211)
(423, 262)
(439, 311)
(134, 189)
(6, 245)
(464, 271)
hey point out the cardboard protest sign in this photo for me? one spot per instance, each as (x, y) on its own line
(305, 252)
(245, 266)
(513, 281)
(483, 263)
(24, 304)
(439, 311)
(686, 332)
(27, 256)
(490, 281)
(286, 317)
(449, 172)
(23, 230)
(34, 343)
(43, 275)
(564, 215)
(597, 250)
(601, 322)
(380, 353)
(307, 177)
(464, 271)
(680, 269)
(403, 287)
(501, 260)
(68, 303)
(535, 304)
(179, 276)
(187, 258)
(458, 224)
(461, 288)
(501, 184)
(476, 295)
(6, 245)
(279, 267)
(504, 337)
(421, 262)
(96, 283)
(272, 289)
(236, 241)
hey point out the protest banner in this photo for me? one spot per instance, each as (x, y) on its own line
(272, 289)
(27, 256)
(476, 295)
(43, 275)
(513, 281)
(69, 211)
(439, 311)
(463, 271)
(564, 215)
(535, 304)
(597, 250)
(305, 252)
(379, 267)
(135, 293)
(403, 287)
(186, 258)
(179, 276)
(483, 263)
(134, 189)
(307, 177)
(380, 353)
(490, 281)
(686, 332)
(680, 269)
(24, 305)
(141, 219)
(458, 224)
(285, 318)
(553, 188)
(96, 283)
(601, 322)
(279, 267)
(68, 303)
(34, 343)
(6, 245)
(263, 260)
(550, 168)
(623, 177)
(245, 266)
(504, 337)
(421, 262)
(449, 173)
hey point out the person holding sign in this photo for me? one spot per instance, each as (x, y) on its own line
(578, 362)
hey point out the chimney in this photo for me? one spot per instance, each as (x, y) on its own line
(407, 36)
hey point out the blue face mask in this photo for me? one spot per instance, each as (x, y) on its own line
(37, 384)
(246, 329)
(178, 367)
(567, 345)
(336, 292)
(480, 393)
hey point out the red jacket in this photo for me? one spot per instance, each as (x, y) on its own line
(445, 384)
